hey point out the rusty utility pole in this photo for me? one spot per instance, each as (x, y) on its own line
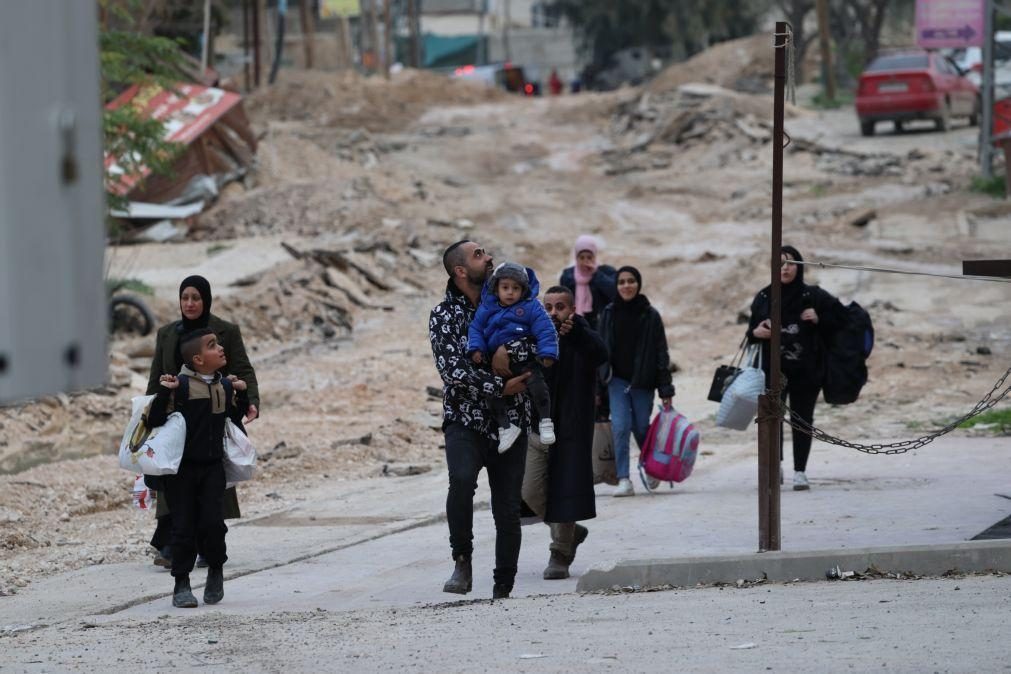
(308, 20)
(245, 45)
(387, 37)
(827, 72)
(256, 43)
(769, 428)
(414, 25)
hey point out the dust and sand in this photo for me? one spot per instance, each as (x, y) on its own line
(350, 100)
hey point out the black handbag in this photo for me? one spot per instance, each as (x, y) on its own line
(725, 375)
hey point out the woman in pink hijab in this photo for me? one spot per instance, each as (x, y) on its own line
(592, 283)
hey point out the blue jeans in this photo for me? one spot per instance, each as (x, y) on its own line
(630, 410)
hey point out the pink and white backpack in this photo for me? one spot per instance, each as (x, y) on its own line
(671, 446)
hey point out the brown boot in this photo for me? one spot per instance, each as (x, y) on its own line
(581, 534)
(462, 579)
(557, 568)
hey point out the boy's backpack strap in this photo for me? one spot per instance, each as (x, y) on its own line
(226, 384)
(182, 393)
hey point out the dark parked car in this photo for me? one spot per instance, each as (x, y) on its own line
(904, 86)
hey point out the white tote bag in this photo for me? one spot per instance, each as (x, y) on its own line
(740, 400)
(161, 452)
(240, 455)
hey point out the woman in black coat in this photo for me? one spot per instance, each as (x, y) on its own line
(638, 366)
(809, 314)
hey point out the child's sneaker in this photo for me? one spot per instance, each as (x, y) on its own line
(182, 595)
(547, 432)
(214, 590)
(507, 437)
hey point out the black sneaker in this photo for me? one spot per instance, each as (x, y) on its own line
(214, 590)
(182, 595)
(500, 591)
(201, 562)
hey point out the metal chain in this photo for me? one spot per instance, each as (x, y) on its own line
(995, 395)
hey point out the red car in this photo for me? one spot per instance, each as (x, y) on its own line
(903, 86)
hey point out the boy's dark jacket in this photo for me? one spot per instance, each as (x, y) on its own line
(495, 325)
(205, 409)
(166, 355)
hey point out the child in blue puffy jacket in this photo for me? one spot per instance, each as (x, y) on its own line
(510, 315)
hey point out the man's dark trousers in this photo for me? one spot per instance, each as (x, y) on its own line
(196, 493)
(467, 452)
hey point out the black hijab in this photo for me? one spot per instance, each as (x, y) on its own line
(637, 304)
(627, 316)
(795, 295)
(203, 287)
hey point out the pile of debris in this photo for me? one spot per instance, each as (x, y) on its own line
(316, 294)
(347, 99)
(690, 115)
(217, 147)
(746, 64)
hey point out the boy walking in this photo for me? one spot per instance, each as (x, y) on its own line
(205, 399)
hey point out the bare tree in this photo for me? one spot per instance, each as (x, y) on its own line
(796, 12)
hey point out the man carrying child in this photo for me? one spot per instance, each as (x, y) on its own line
(471, 431)
(205, 399)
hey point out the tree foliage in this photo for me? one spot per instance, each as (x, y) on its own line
(677, 27)
(130, 57)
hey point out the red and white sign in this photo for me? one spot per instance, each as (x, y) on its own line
(949, 23)
(185, 113)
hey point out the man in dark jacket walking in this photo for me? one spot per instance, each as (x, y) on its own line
(469, 426)
(558, 482)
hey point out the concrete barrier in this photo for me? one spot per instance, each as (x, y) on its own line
(921, 560)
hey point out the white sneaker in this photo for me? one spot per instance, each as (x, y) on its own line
(507, 437)
(624, 488)
(652, 483)
(800, 482)
(546, 430)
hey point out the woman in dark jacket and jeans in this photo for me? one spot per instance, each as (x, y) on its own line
(809, 314)
(638, 365)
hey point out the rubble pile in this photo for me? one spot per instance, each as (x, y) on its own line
(348, 99)
(315, 295)
(689, 116)
(746, 65)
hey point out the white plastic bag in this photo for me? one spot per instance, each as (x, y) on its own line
(162, 451)
(136, 432)
(240, 455)
(740, 400)
(144, 498)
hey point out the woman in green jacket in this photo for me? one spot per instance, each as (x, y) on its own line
(195, 308)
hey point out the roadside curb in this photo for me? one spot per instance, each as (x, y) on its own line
(921, 560)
